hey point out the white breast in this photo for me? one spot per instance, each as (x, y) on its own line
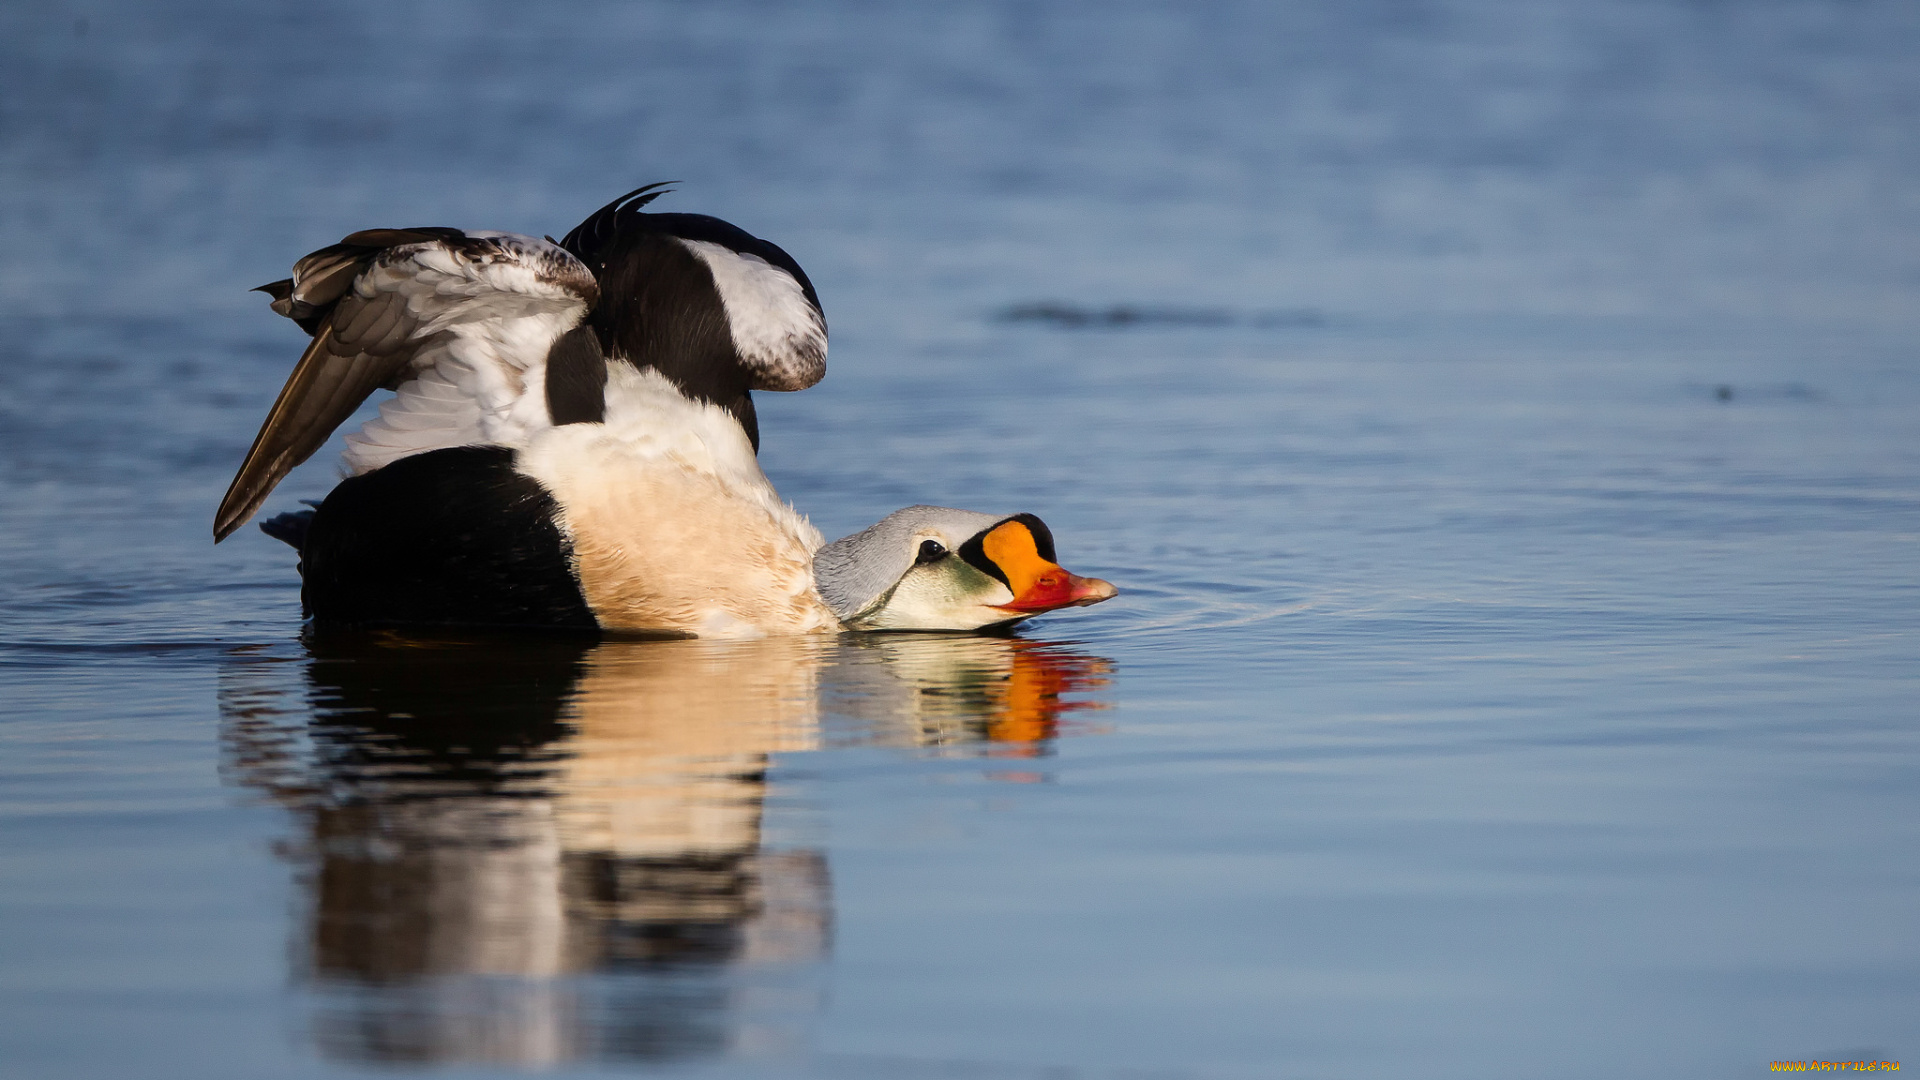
(673, 525)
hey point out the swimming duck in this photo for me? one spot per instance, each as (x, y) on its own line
(572, 445)
(655, 520)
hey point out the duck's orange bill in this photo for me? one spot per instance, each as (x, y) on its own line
(1038, 584)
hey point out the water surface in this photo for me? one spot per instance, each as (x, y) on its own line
(1502, 421)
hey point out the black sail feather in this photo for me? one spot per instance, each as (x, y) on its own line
(589, 239)
(594, 240)
(661, 308)
(658, 309)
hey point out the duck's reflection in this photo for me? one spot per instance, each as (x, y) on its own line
(943, 691)
(530, 852)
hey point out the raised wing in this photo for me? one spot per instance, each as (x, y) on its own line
(378, 301)
(715, 309)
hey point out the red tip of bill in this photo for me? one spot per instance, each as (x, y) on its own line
(1057, 589)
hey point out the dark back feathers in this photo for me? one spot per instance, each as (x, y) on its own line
(659, 306)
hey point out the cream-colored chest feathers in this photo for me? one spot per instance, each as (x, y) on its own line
(673, 525)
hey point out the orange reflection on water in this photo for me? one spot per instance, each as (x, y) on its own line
(1027, 712)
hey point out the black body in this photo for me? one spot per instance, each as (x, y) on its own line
(450, 537)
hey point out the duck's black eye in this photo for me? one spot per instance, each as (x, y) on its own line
(930, 551)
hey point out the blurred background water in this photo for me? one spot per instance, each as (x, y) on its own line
(1501, 419)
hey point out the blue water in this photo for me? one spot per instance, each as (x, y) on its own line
(1502, 421)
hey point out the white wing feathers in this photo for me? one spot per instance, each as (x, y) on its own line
(482, 334)
(778, 332)
(459, 323)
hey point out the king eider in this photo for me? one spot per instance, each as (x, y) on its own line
(572, 445)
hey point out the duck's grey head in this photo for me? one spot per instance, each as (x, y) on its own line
(934, 568)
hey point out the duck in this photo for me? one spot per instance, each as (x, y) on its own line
(572, 445)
